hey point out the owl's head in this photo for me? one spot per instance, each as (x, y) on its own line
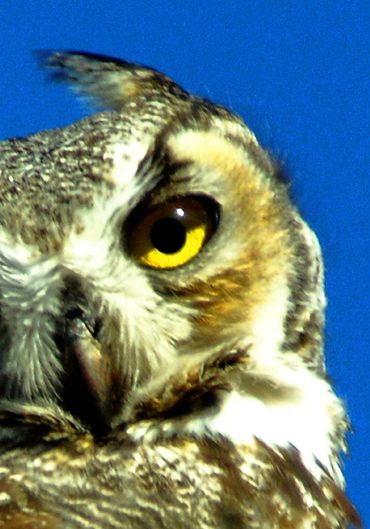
(155, 275)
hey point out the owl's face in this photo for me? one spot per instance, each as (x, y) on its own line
(152, 261)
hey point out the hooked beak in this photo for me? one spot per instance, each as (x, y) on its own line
(91, 392)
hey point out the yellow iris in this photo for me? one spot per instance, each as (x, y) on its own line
(171, 234)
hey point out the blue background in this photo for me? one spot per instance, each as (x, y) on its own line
(298, 72)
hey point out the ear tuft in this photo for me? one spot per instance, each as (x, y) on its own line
(110, 81)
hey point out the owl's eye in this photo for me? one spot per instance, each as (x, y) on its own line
(171, 234)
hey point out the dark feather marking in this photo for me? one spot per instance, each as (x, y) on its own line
(195, 392)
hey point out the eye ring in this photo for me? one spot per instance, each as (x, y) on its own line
(170, 234)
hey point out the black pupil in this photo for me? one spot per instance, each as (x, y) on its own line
(168, 235)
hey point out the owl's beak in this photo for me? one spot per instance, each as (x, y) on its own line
(89, 377)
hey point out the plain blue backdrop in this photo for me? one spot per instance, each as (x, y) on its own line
(298, 72)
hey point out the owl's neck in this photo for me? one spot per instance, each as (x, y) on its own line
(285, 407)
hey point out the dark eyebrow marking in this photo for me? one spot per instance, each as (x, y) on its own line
(158, 166)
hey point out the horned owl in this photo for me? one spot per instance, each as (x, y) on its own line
(161, 322)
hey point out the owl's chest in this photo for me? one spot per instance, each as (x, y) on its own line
(173, 483)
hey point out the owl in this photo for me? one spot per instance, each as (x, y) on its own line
(161, 313)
